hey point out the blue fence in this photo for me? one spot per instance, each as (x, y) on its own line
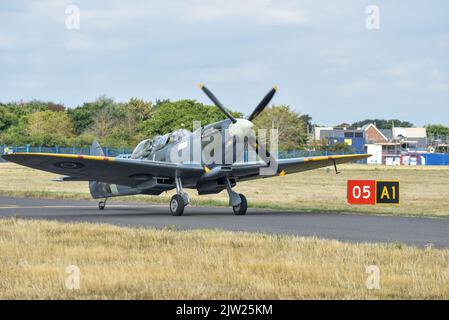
(436, 159)
(309, 153)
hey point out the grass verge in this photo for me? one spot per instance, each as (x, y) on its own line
(423, 190)
(124, 263)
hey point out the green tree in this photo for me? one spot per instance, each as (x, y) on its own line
(383, 124)
(83, 116)
(50, 122)
(291, 127)
(103, 123)
(17, 134)
(7, 118)
(338, 147)
(138, 109)
(170, 116)
(435, 130)
(49, 128)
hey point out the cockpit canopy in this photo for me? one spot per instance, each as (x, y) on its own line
(146, 148)
(178, 135)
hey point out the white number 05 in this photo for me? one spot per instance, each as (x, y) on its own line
(357, 192)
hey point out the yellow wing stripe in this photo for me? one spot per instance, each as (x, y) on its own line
(102, 158)
(67, 156)
(336, 157)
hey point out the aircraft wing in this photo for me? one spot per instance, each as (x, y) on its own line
(128, 172)
(247, 171)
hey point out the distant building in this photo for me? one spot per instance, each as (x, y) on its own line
(394, 146)
(354, 138)
(322, 133)
(411, 138)
(373, 135)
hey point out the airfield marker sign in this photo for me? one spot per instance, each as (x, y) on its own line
(371, 192)
(387, 192)
(362, 192)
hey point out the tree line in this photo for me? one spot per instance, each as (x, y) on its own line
(124, 124)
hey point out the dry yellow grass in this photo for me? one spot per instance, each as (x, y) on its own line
(117, 262)
(423, 189)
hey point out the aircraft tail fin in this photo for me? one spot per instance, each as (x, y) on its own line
(94, 188)
(95, 149)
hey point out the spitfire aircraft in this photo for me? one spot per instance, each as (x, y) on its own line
(152, 168)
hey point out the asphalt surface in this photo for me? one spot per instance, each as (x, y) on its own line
(345, 227)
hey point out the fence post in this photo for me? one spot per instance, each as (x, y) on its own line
(28, 147)
(74, 149)
(106, 151)
(56, 149)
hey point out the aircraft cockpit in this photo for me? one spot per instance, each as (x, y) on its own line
(146, 148)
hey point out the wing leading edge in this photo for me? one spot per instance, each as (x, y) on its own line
(127, 172)
(132, 172)
(247, 171)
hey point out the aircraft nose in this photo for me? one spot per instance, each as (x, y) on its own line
(242, 127)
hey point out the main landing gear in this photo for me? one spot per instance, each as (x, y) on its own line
(102, 204)
(236, 200)
(179, 200)
(240, 209)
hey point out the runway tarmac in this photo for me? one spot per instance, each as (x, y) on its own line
(345, 227)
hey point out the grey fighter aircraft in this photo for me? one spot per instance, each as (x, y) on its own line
(151, 169)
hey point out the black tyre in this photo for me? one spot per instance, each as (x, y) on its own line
(240, 210)
(101, 205)
(177, 205)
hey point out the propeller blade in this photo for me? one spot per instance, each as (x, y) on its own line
(263, 104)
(217, 103)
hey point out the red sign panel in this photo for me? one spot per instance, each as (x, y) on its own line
(362, 191)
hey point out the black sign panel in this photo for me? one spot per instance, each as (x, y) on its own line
(387, 192)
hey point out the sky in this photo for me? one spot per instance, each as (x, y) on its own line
(322, 56)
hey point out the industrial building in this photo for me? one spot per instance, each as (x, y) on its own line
(395, 146)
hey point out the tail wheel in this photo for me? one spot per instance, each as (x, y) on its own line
(240, 209)
(177, 205)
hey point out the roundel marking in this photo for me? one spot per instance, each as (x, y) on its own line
(68, 165)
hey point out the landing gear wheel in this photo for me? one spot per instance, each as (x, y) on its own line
(240, 210)
(177, 205)
(101, 205)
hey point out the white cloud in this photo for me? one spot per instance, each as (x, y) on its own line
(82, 43)
(411, 67)
(439, 87)
(264, 12)
(320, 54)
(247, 72)
(356, 87)
(6, 42)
